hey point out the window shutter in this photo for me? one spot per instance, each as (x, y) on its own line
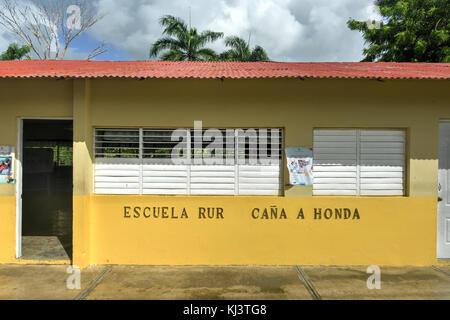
(215, 178)
(117, 169)
(259, 180)
(382, 162)
(159, 174)
(164, 179)
(139, 161)
(359, 162)
(263, 177)
(335, 162)
(212, 180)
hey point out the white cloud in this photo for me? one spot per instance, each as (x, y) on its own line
(290, 30)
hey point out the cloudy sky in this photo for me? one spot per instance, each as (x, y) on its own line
(290, 30)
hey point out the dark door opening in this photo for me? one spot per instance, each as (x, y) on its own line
(47, 189)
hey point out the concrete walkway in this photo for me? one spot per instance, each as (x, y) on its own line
(246, 282)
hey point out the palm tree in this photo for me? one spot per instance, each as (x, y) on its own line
(182, 43)
(241, 51)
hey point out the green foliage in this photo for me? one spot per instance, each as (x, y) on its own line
(241, 51)
(181, 43)
(410, 31)
(14, 52)
(62, 155)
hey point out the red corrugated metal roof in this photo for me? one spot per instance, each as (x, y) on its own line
(217, 70)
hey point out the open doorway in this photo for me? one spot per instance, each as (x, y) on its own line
(47, 147)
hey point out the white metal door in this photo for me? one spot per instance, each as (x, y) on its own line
(19, 190)
(443, 241)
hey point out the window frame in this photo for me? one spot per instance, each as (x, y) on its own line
(358, 154)
(141, 161)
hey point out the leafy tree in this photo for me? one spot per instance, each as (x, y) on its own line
(182, 43)
(241, 51)
(410, 31)
(14, 52)
(48, 28)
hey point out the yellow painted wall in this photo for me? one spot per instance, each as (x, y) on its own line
(7, 228)
(25, 98)
(298, 106)
(392, 230)
(398, 231)
(83, 171)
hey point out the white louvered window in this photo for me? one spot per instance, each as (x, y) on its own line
(159, 175)
(117, 165)
(139, 161)
(365, 162)
(257, 179)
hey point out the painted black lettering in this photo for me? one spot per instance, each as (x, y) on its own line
(317, 213)
(137, 212)
(220, 213)
(156, 212)
(273, 212)
(347, 213)
(126, 212)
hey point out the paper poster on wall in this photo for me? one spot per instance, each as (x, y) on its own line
(300, 165)
(6, 171)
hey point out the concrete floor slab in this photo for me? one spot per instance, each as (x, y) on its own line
(246, 282)
(43, 282)
(397, 283)
(445, 269)
(43, 248)
(155, 283)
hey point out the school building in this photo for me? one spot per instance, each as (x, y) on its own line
(108, 162)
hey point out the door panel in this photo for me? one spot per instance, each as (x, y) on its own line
(447, 223)
(443, 241)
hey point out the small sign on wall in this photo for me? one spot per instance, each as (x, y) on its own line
(5, 150)
(300, 165)
(7, 165)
